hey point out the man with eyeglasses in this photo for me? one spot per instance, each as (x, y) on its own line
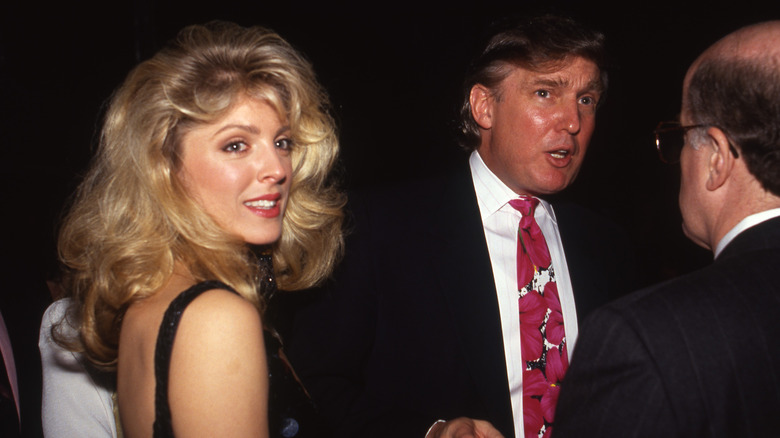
(700, 355)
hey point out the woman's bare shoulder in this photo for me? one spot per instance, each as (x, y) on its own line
(219, 313)
(219, 376)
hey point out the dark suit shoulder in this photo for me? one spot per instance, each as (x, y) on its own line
(708, 339)
(406, 197)
(415, 210)
(600, 257)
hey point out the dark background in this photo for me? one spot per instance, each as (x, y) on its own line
(393, 71)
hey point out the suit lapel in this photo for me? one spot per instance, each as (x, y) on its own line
(466, 277)
(583, 266)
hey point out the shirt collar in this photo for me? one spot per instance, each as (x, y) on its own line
(492, 193)
(744, 224)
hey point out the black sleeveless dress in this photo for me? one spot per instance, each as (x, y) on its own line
(291, 412)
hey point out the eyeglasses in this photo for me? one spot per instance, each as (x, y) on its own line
(670, 139)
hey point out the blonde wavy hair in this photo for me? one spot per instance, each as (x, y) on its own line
(131, 218)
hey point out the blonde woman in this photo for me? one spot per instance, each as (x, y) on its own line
(216, 149)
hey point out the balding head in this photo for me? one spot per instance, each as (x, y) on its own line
(735, 86)
(756, 42)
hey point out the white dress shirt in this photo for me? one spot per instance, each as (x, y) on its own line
(500, 222)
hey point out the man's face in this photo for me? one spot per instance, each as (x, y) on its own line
(539, 124)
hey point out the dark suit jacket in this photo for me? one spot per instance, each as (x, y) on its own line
(409, 331)
(698, 356)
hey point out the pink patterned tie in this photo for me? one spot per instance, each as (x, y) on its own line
(543, 341)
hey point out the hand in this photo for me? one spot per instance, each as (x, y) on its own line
(464, 428)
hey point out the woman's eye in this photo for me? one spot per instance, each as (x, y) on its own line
(236, 146)
(284, 144)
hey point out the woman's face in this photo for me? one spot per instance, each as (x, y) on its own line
(239, 168)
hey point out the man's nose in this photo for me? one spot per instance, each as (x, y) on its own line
(570, 118)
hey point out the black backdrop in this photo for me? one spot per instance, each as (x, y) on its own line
(393, 71)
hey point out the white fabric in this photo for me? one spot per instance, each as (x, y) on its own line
(500, 221)
(744, 224)
(76, 399)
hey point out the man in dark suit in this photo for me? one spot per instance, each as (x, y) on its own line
(422, 321)
(699, 356)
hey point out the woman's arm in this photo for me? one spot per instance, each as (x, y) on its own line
(219, 376)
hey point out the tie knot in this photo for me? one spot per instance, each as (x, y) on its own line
(525, 205)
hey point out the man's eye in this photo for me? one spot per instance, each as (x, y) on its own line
(542, 93)
(587, 100)
(285, 144)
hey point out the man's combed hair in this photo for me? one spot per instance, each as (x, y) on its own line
(132, 219)
(537, 44)
(742, 97)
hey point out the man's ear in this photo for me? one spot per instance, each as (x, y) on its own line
(721, 162)
(481, 102)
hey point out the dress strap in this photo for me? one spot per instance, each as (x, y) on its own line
(163, 427)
